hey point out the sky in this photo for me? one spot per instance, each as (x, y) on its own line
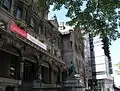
(114, 48)
(60, 14)
(115, 55)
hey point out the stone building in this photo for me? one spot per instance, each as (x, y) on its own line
(73, 55)
(30, 52)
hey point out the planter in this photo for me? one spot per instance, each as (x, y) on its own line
(20, 24)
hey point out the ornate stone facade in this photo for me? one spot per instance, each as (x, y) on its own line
(25, 63)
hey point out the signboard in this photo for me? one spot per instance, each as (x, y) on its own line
(14, 28)
(35, 41)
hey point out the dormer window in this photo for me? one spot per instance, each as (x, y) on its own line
(7, 4)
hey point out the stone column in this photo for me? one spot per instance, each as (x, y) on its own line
(39, 78)
(37, 82)
(60, 75)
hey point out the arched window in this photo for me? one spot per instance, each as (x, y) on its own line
(7, 4)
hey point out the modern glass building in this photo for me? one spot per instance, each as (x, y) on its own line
(97, 56)
(103, 64)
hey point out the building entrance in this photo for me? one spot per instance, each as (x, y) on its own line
(29, 71)
(10, 88)
(9, 65)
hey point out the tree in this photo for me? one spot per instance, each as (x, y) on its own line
(118, 66)
(98, 17)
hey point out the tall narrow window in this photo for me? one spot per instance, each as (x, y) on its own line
(7, 4)
(40, 29)
(19, 13)
(32, 23)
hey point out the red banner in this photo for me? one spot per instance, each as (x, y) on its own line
(14, 28)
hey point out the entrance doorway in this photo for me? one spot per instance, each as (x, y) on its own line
(10, 88)
(45, 75)
(9, 65)
(29, 71)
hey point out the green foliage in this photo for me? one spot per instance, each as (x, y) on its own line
(118, 66)
(97, 17)
(21, 24)
(41, 4)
